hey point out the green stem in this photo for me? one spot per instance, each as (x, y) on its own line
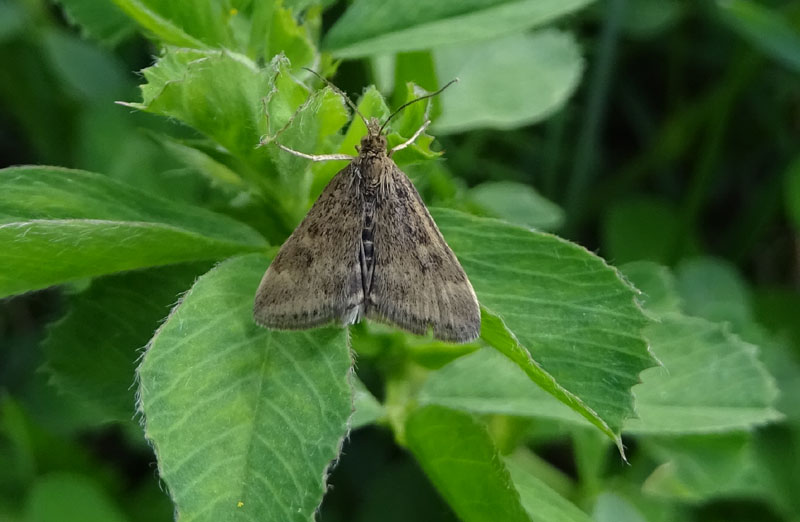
(586, 156)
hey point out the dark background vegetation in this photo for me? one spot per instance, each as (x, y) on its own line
(682, 140)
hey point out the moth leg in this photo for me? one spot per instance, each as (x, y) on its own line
(411, 139)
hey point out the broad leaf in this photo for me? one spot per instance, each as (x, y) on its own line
(496, 92)
(457, 454)
(517, 203)
(92, 351)
(244, 420)
(563, 307)
(58, 225)
(711, 381)
(368, 28)
(711, 288)
(697, 468)
(502, 389)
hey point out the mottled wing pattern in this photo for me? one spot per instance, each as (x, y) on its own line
(316, 276)
(417, 281)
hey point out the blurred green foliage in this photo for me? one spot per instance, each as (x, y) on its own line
(661, 134)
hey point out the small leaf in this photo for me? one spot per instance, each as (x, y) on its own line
(368, 28)
(100, 20)
(70, 497)
(92, 351)
(244, 420)
(168, 31)
(58, 225)
(84, 69)
(541, 502)
(767, 29)
(698, 468)
(218, 93)
(458, 455)
(658, 287)
(367, 409)
(651, 18)
(711, 288)
(496, 92)
(611, 507)
(517, 203)
(566, 308)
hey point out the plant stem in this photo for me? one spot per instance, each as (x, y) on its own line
(587, 154)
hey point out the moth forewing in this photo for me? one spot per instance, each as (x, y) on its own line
(315, 278)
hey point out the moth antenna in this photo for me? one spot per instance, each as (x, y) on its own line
(415, 100)
(340, 93)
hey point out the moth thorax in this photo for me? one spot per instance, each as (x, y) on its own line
(373, 145)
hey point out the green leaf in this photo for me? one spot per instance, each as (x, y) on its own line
(541, 502)
(92, 351)
(219, 93)
(659, 293)
(610, 507)
(58, 225)
(103, 20)
(711, 381)
(204, 24)
(697, 468)
(170, 32)
(12, 21)
(651, 18)
(368, 28)
(244, 421)
(563, 307)
(70, 497)
(367, 409)
(711, 288)
(766, 29)
(457, 454)
(517, 203)
(496, 92)
(84, 69)
(234, 102)
(503, 388)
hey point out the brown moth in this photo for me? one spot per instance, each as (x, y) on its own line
(369, 248)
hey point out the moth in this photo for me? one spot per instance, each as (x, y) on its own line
(368, 247)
